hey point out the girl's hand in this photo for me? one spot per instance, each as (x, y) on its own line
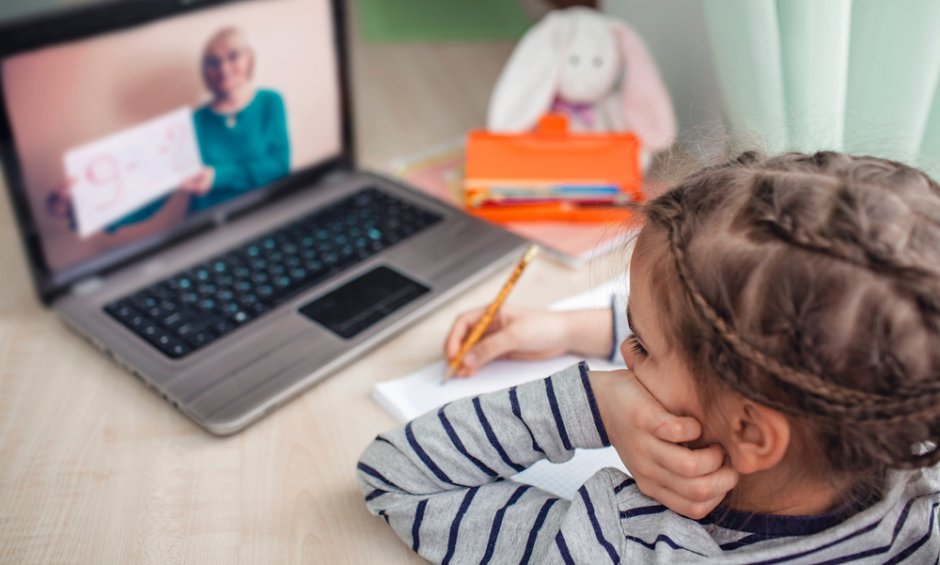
(59, 200)
(523, 333)
(200, 183)
(647, 438)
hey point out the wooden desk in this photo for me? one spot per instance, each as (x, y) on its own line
(95, 468)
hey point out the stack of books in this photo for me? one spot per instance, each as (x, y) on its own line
(439, 172)
(551, 175)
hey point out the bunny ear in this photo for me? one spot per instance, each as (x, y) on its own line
(645, 100)
(527, 86)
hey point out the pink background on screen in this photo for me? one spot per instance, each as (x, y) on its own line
(65, 96)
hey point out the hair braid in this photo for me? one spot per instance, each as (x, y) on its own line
(915, 272)
(827, 206)
(847, 402)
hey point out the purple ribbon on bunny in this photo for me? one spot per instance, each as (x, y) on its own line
(593, 68)
(582, 112)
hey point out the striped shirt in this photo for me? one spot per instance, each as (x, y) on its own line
(443, 483)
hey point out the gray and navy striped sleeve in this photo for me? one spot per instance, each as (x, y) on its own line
(442, 481)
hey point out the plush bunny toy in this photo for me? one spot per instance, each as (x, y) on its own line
(591, 67)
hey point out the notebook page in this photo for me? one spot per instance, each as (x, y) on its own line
(564, 479)
(411, 396)
(422, 391)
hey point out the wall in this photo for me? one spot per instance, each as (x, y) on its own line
(675, 33)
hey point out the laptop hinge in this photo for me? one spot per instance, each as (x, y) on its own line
(336, 176)
(219, 218)
(87, 286)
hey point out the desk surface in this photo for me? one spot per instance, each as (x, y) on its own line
(98, 469)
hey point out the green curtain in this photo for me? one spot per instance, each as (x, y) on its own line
(852, 75)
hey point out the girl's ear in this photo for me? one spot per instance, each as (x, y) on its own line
(526, 88)
(759, 437)
(646, 102)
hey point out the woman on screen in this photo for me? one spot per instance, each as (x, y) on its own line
(242, 132)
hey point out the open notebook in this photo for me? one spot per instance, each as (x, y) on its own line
(411, 396)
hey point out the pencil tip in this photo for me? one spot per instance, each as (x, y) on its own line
(530, 253)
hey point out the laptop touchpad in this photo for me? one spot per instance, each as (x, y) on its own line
(363, 301)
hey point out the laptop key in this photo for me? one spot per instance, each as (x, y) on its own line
(194, 326)
(149, 331)
(174, 319)
(240, 317)
(200, 339)
(162, 291)
(121, 310)
(169, 345)
(222, 327)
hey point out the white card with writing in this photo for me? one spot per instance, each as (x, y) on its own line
(117, 174)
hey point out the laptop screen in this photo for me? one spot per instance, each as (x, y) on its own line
(122, 138)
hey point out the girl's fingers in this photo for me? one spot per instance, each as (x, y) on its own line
(687, 463)
(677, 429)
(698, 489)
(650, 416)
(677, 503)
(464, 325)
(708, 487)
(487, 349)
(459, 331)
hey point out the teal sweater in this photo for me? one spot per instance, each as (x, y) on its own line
(252, 153)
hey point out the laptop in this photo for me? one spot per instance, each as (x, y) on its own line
(183, 179)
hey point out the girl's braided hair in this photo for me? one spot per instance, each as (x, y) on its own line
(811, 284)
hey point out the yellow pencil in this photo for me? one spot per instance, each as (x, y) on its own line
(480, 328)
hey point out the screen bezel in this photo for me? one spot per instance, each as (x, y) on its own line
(113, 15)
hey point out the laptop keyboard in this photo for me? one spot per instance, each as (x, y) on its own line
(195, 307)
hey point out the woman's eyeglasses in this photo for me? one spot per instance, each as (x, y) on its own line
(214, 63)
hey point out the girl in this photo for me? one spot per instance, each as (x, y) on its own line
(791, 306)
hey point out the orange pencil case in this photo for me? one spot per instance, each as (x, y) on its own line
(551, 174)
